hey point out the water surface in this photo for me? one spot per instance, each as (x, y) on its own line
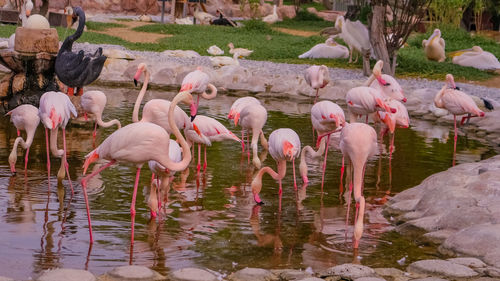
(212, 221)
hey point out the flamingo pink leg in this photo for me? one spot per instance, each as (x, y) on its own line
(84, 187)
(94, 134)
(199, 159)
(132, 207)
(324, 162)
(348, 208)
(242, 140)
(316, 98)
(48, 153)
(158, 195)
(391, 147)
(26, 159)
(294, 180)
(205, 156)
(454, 139)
(18, 133)
(342, 176)
(65, 159)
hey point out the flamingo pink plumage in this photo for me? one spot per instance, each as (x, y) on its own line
(326, 117)
(284, 145)
(457, 103)
(94, 102)
(138, 143)
(317, 77)
(206, 130)
(358, 142)
(399, 119)
(234, 113)
(156, 110)
(24, 117)
(365, 101)
(253, 117)
(385, 83)
(196, 82)
(55, 111)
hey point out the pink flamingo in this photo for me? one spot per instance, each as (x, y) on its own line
(326, 117)
(163, 177)
(136, 144)
(206, 130)
(365, 101)
(55, 111)
(399, 119)
(253, 117)
(94, 102)
(284, 145)
(197, 82)
(358, 142)
(317, 77)
(24, 117)
(156, 110)
(234, 113)
(457, 103)
(385, 83)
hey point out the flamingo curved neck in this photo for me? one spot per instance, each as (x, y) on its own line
(138, 101)
(313, 154)
(109, 123)
(53, 143)
(213, 92)
(358, 177)
(358, 227)
(186, 152)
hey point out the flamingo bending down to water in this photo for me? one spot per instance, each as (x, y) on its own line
(385, 83)
(358, 142)
(197, 82)
(457, 103)
(253, 117)
(55, 111)
(317, 77)
(156, 110)
(284, 145)
(206, 130)
(24, 117)
(365, 101)
(234, 113)
(163, 175)
(94, 102)
(326, 117)
(138, 143)
(399, 119)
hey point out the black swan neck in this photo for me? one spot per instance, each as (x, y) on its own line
(68, 42)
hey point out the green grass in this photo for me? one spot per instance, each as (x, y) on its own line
(7, 30)
(100, 26)
(304, 21)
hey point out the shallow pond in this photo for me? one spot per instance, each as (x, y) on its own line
(212, 222)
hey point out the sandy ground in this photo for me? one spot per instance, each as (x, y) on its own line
(126, 33)
(296, 32)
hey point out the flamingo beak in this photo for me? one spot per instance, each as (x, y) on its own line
(257, 200)
(230, 115)
(137, 76)
(193, 109)
(153, 214)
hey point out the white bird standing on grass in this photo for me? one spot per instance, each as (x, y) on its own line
(355, 35)
(272, 18)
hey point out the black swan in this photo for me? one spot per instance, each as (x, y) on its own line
(78, 69)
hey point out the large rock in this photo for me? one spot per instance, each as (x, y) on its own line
(66, 274)
(191, 274)
(252, 274)
(442, 268)
(132, 272)
(34, 41)
(349, 271)
(470, 262)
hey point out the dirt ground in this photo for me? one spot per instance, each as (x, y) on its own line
(126, 33)
(296, 32)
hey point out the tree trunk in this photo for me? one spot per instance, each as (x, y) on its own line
(394, 64)
(328, 4)
(172, 11)
(377, 36)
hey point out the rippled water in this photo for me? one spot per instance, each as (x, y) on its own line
(212, 222)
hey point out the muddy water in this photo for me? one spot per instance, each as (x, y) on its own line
(211, 221)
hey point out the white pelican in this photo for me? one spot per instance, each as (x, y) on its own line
(476, 58)
(356, 36)
(329, 50)
(434, 47)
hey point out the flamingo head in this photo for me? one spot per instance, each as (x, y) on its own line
(12, 162)
(231, 114)
(193, 106)
(256, 187)
(377, 72)
(140, 68)
(324, 76)
(450, 81)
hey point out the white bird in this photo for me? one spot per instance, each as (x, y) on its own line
(476, 58)
(328, 50)
(203, 17)
(272, 18)
(356, 36)
(253, 117)
(434, 47)
(214, 50)
(185, 21)
(221, 61)
(242, 52)
(94, 102)
(24, 117)
(235, 110)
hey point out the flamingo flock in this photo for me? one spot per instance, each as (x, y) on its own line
(147, 139)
